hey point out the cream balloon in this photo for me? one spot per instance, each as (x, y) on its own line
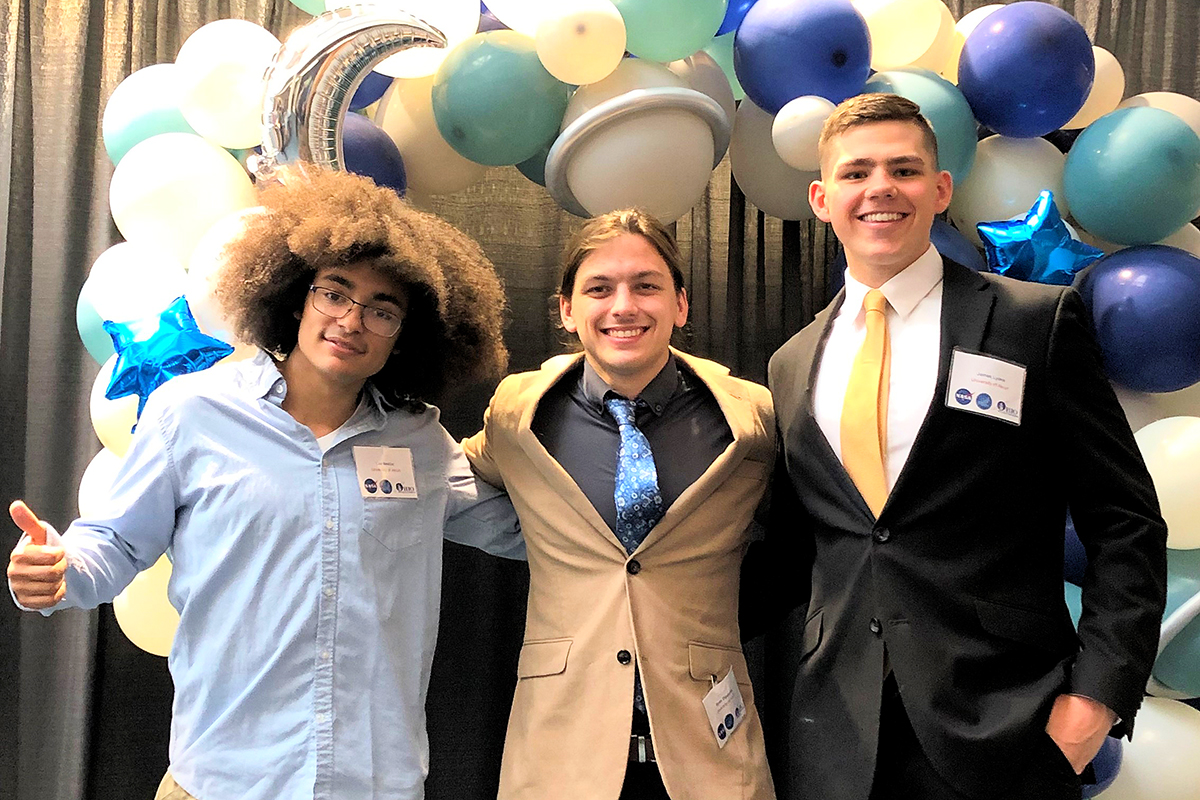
(938, 53)
(522, 16)
(581, 41)
(1182, 106)
(1171, 448)
(96, 483)
(797, 129)
(458, 20)
(113, 420)
(1107, 90)
(768, 182)
(1007, 177)
(1187, 239)
(220, 70)
(630, 74)
(702, 73)
(207, 258)
(431, 166)
(131, 281)
(1142, 408)
(962, 30)
(171, 188)
(904, 31)
(1160, 762)
(143, 611)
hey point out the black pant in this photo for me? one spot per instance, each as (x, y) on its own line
(902, 772)
(642, 782)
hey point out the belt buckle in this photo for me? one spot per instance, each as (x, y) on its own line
(641, 742)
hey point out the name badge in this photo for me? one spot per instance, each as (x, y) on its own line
(985, 385)
(725, 708)
(385, 472)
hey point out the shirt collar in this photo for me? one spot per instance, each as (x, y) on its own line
(905, 289)
(261, 376)
(655, 395)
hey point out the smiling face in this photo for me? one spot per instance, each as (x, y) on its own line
(341, 352)
(880, 189)
(624, 307)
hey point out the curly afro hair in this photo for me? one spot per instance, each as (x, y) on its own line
(315, 218)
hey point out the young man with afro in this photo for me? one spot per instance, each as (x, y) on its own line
(303, 496)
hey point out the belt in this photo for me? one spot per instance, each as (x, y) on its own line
(641, 749)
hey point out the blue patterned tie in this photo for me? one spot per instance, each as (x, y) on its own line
(639, 503)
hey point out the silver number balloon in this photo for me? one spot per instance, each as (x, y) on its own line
(310, 83)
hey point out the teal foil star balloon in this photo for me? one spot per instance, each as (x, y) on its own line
(1037, 248)
(153, 350)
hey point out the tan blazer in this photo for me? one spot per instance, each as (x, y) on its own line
(568, 734)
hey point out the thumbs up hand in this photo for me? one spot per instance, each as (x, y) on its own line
(36, 572)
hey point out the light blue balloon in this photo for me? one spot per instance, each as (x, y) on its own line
(494, 102)
(944, 106)
(1133, 176)
(721, 49)
(668, 30)
(1074, 597)
(91, 330)
(1178, 666)
(145, 104)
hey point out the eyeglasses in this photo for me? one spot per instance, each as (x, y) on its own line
(336, 305)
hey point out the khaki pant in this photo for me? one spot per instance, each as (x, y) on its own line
(170, 790)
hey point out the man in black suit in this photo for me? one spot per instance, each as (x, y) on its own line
(937, 425)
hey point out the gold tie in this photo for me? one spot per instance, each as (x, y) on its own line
(864, 411)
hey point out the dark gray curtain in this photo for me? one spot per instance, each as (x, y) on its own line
(85, 714)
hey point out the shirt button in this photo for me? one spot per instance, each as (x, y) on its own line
(623, 657)
(329, 524)
(882, 535)
(633, 567)
(876, 628)
(324, 655)
(328, 592)
(320, 716)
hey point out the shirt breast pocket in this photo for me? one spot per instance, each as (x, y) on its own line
(395, 523)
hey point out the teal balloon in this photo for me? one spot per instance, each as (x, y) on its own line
(91, 330)
(1133, 176)
(1074, 597)
(721, 49)
(313, 7)
(534, 167)
(944, 106)
(1178, 665)
(145, 104)
(494, 102)
(667, 30)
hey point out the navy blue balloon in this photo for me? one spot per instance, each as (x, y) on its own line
(734, 14)
(954, 246)
(784, 49)
(1106, 765)
(371, 152)
(371, 89)
(1027, 69)
(1145, 304)
(1075, 558)
(488, 21)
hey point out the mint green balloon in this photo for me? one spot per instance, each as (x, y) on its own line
(721, 49)
(91, 330)
(494, 102)
(1178, 665)
(313, 7)
(145, 104)
(668, 30)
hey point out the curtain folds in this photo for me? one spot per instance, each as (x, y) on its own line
(86, 713)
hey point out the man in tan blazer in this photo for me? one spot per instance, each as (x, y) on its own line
(636, 471)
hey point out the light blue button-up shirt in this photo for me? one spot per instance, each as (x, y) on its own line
(308, 613)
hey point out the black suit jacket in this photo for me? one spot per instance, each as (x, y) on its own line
(961, 576)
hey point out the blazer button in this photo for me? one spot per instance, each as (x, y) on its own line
(882, 535)
(876, 628)
(633, 567)
(623, 657)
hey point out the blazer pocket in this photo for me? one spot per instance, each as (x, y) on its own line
(709, 661)
(1018, 624)
(814, 627)
(545, 657)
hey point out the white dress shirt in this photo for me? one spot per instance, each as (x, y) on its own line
(914, 327)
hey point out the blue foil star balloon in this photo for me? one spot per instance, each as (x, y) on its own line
(153, 350)
(1037, 248)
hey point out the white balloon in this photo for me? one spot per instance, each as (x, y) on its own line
(522, 16)
(962, 30)
(131, 281)
(1160, 762)
(768, 182)
(220, 75)
(1171, 448)
(902, 31)
(1107, 90)
(1142, 408)
(207, 259)
(96, 484)
(147, 100)
(1006, 179)
(797, 129)
(113, 420)
(430, 164)
(581, 41)
(630, 74)
(144, 613)
(702, 73)
(456, 19)
(1182, 106)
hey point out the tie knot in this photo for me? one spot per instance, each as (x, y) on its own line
(622, 410)
(875, 301)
